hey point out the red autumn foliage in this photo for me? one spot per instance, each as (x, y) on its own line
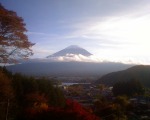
(80, 113)
(72, 111)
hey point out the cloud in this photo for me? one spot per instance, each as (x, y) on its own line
(77, 58)
(125, 38)
(124, 35)
(40, 51)
(96, 59)
(121, 36)
(36, 33)
(118, 27)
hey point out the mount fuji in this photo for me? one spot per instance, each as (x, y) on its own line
(71, 61)
(71, 50)
(72, 53)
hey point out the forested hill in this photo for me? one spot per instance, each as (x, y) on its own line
(139, 72)
(67, 68)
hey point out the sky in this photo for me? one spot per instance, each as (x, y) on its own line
(112, 30)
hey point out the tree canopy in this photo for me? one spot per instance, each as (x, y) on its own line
(14, 43)
(129, 88)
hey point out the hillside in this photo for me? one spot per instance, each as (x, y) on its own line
(67, 68)
(139, 72)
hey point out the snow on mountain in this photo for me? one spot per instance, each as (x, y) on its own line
(71, 61)
(73, 53)
(71, 50)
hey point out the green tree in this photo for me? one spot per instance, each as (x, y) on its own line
(14, 42)
(22, 86)
(129, 88)
(54, 94)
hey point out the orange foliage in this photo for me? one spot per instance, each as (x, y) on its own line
(13, 40)
(36, 104)
(72, 111)
(6, 91)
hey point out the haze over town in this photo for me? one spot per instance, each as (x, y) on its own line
(112, 30)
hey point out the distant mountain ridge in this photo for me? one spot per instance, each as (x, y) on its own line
(139, 72)
(84, 69)
(73, 49)
(71, 61)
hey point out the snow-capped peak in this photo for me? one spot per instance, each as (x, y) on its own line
(73, 49)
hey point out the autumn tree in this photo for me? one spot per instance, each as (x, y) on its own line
(5, 87)
(35, 103)
(72, 111)
(6, 95)
(14, 43)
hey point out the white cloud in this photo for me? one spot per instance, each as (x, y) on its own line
(40, 52)
(96, 59)
(118, 39)
(77, 58)
(123, 37)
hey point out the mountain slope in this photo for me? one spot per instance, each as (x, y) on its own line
(73, 49)
(139, 72)
(71, 61)
(67, 68)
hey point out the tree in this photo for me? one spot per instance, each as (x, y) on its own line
(54, 94)
(14, 42)
(129, 88)
(5, 87)
(72, 111)
(6, 94)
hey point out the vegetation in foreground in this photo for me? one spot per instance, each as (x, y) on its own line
(27, 98)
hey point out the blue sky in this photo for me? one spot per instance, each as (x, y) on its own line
(113, 30)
